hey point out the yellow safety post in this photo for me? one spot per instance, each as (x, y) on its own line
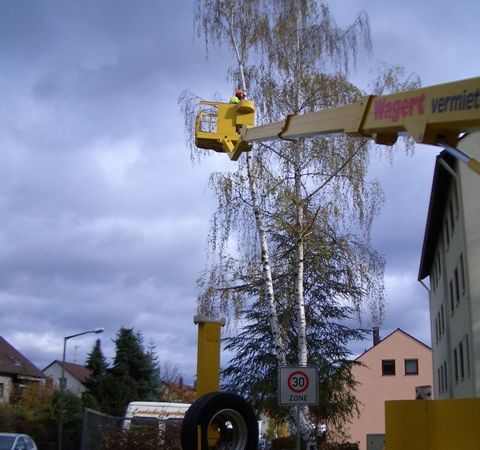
(208, 354)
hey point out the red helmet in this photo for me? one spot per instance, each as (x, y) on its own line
(239, 93)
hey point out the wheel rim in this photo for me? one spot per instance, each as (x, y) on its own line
(231, 430)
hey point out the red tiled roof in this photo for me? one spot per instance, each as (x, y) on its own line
(81, 373)
(12, 362)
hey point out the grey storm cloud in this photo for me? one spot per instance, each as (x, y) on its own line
(95, 229)
(103, 217)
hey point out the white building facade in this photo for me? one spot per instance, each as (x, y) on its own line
(451, 261)
(75, 376)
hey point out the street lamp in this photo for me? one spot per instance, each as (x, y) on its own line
(62, 380)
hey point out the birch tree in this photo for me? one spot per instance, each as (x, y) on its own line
(288, 197)
(243, 26)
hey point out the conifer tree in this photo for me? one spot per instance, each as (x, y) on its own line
(132, 377)
(97, 363)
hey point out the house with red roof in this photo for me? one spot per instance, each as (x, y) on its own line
(16, 372)
(75, 376)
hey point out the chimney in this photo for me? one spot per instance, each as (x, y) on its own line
(376, 336)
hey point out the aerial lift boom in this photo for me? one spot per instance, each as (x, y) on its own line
(436, 115)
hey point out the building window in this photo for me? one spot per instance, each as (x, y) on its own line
(462, 273)
(452, 299)
(452, 219)
(455, 364)
(462, 363)
(442, 320)
(456, 200)
(447, 233)
(445, 375)
(467, 355)
(411, 367)
(388, 367)
(1, 389)
(436, 328)
(457, 286)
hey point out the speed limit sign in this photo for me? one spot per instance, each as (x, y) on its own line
(298, 386)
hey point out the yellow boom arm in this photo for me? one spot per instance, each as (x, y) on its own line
(435, 115)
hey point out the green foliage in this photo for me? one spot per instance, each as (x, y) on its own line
(132, 377)
(133, 363)
(37, 402)
(89, 401)
(339, 446)
(6, 418)
(72, 416)
(253, 369)
(96, 360)
(137, 438)
(36, 413)
(144, 437)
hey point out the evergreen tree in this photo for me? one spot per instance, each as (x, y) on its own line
(327, 285)
(132, 377)
(98, 366)
(155, 365)
(96, 361)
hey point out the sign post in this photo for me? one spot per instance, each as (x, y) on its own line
(298, 387)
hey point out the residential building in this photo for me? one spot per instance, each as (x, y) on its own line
(16, 371)
(451, 262)
(75, 376)
(392, 369)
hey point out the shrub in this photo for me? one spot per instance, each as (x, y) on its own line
(339, 446)
(282, 443)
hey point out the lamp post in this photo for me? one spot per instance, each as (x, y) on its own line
(62, 380)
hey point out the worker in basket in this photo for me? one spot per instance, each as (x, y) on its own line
(237, 96)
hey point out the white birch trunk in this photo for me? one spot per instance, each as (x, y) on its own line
(305, 426)
(266, 268)
(262, 237)
(302, 350)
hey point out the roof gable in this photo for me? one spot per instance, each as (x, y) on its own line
(81, 373)
(12, 362)
(433, 227)
(390, 336)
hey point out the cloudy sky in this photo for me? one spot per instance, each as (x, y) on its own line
(103, 218)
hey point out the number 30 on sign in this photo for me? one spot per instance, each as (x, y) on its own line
(298, 386)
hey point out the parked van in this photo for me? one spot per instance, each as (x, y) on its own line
(146, 411)
(165, 418)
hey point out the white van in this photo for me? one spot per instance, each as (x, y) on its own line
(158, 415)
(138, 412)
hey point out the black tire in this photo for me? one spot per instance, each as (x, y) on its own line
(233, 417)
